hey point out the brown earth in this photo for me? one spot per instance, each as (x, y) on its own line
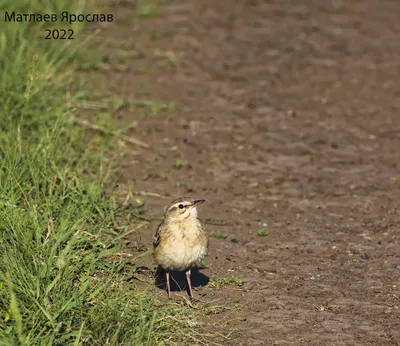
(288, 115)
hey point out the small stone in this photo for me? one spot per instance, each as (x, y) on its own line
(364, 256)
(253, 185)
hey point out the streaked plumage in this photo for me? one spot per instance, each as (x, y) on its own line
(180, 242)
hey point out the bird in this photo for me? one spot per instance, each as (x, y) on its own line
(181, 241)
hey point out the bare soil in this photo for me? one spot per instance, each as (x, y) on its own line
(288, 116)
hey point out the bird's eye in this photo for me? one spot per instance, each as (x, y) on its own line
(180, 206)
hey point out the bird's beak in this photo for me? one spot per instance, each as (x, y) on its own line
(198, 202)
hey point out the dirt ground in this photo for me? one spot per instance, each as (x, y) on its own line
(287, 115)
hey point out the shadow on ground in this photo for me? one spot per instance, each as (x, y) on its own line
(178, 280)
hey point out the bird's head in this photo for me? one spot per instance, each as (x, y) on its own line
(182, 208)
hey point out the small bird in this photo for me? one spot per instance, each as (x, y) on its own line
(180, 242)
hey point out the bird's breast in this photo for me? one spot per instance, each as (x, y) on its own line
(182, 247)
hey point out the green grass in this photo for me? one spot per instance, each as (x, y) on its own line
(61, 282)
(262, 232)
(218, 235)
(147, 11)
(179, 163)
(227, 281)
(156, 107)
(148, 8)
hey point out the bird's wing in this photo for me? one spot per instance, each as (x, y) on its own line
(157, 236)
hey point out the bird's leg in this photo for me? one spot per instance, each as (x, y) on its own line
(189, 283)
(168, 286)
